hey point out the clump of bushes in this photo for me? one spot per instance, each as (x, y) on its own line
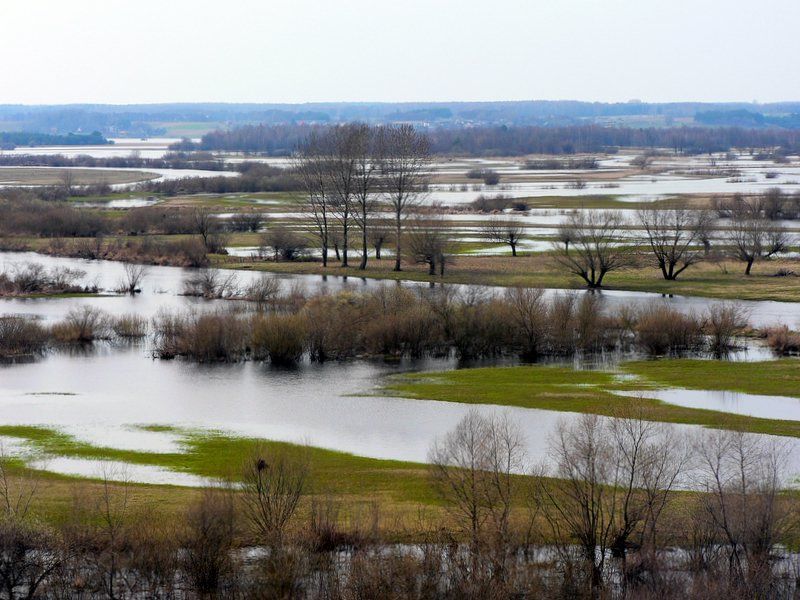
(21, 336)
(204, 337)
(129, 326)
(82, 325)
(782, 340)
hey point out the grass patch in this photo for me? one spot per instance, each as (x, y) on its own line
(566, 390)
(772, 378)
(219, 456)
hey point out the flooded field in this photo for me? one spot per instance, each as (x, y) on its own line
(105, 394)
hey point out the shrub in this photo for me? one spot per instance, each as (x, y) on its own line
(783, 341)
(82, 325)
(663, 330)
(21, 336)
(279, 337)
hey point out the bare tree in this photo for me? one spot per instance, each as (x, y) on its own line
(428, 244)
(742, 476)
(378, 236)
(367, 152)
(404, 164)
(342, 147)
(473, 467)
(594, 251)
(673, 235)
(752, 238)
(204, 223)
(579, 504)
(134, 274)
(503, 232)
(313, 166)
(273, 482)
(529, 313)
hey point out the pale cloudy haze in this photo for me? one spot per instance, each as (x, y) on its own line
(416, 50)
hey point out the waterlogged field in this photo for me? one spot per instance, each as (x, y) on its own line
(74, 410)
(110, 409)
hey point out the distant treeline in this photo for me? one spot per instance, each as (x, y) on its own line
(281, 140)
(747, 118)
(172, 160)
(11, 139)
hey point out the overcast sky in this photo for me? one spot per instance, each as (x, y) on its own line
(60, 51)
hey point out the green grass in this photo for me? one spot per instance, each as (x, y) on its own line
(567, 390)
(219, 456)
(772, 378)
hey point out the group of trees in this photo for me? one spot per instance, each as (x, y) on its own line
(346, 169)
(605, 501)
(591, 244)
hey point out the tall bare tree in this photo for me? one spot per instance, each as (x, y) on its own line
(594, 249)
(673, 236)
(367, 152)
(472, 467)
(405, 160)
(342, 150)
(313, 166)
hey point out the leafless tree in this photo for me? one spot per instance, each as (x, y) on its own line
(404, 164)
(342, 149)
(273, 482)
(314, 167)
(204, 223)
(497, 230)
(133, 276)
(613, 478)
(286, 244)
(742, 476)
(752, 237)
(473, 469)
(378, 236)
(67, 177)
(594, 251)
(208, 542)
(673, 235)
(367, 150)
(428, 244)
(529, 313)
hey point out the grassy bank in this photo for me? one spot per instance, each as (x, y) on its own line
(566, 390)
(219, 457)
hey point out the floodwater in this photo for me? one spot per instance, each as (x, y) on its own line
(784, 408)
(162, 288)
(104, 394)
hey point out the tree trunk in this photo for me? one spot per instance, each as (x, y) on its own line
(344, 245)
(513, 249)
(378, 251)
(431, 267)
(324, 255)
(749, 266)
(336, 249)
(364, 247)
(397, 266)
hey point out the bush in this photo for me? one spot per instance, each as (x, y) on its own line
(783, 341)
(21, 336)
(279, 337)
(663, 330)
(82, 325)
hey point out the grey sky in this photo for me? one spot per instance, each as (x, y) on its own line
(59, 51)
